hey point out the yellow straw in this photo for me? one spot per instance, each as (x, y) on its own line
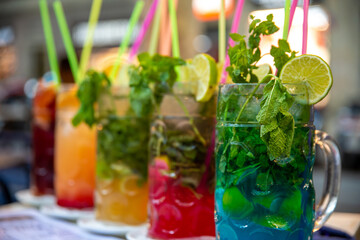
(125, 42)
(174, 29)
(86, 52)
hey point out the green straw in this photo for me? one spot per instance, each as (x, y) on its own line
(222, 32)
(287, 19)
(50, 44)
(155, 30)
(86, 52)
(60, 16)
(125, 43)
(174, 30)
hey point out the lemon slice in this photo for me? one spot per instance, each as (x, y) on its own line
(206, 71)
(313, 72)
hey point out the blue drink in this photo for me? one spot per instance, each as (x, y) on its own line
(257, 197)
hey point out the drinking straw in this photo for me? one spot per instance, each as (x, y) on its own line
(69, 47)
(286, 21)
(49, 39)
(144, 28)
(85, 54)
(222, 32)
(292, 12)
(174, 29)
(165, 31)
(234, 29)
(135, 15)
(305, 26)
(155, 30)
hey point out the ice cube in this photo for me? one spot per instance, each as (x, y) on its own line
(226, 232)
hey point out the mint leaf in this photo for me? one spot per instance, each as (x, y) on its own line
(277, 124)
(236, 37)
(278, 135)
(275, 97)
(281, 54)
(88, 93)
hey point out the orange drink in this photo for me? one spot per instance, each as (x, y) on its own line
(122, 160)
(75, 150)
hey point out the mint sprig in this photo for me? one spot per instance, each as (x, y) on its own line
(88, 94)
(281, 54)
(150, 80)
(277, 124)
(243, 57)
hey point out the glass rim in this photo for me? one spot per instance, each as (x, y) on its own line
(255, 84)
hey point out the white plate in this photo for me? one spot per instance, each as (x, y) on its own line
(142, 235)
(27, 198)
(108, 228)
(66, 213)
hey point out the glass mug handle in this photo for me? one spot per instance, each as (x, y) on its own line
(331, 190)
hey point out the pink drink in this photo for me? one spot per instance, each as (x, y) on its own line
(181, 172)
(177, 211)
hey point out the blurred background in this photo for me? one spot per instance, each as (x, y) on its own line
(333, 34)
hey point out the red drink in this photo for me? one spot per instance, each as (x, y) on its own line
(181, 172)
(177, 211)
(43, 127)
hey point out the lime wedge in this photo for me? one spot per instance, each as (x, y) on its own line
(187, 74)
(206, 71)
(235, 204)
(313, 72)
(260, 72)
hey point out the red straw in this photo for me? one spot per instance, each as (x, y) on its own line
(292, 12)
(144, 28)
(234, 29)
(305, 26)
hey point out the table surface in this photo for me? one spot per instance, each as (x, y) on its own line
(347, 222)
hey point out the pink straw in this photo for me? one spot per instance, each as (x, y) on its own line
(292, 12)
(234, 29)
(305, 26)
(144, 28)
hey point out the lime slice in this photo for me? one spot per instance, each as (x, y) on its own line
(188, 75)
(129, 185)
(260, 72)
(206, 71)
(313, 72)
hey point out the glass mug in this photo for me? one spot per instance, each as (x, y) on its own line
(122, 161)
(75, 151)
(181, 169)
(259, 198)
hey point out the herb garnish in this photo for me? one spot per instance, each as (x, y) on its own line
(154, 77)
(89, 93)
(243, 59)
(277, 124)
